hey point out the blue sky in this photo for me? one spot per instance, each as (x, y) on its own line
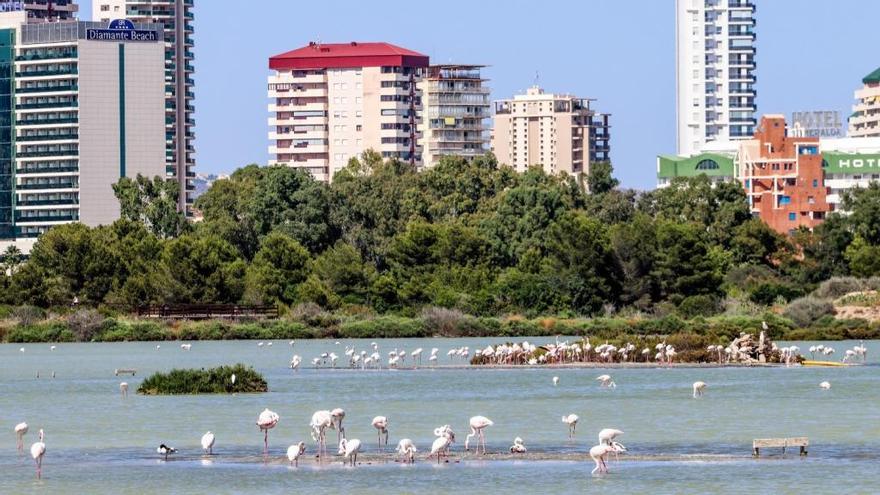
(812, 55)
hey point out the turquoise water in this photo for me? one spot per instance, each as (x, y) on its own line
(98, 442)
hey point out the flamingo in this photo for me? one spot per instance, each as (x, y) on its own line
(208, 443)
(294, 362)
(164, 450)
(598, 453)
(294, 452)
(555, 381)
(607, 436)
(321, 420)
(440, 446)
(825, 385)
(337, 415)
(267, 420)
(699, 387)
(517, 447)
(478, 424)
(380, 423)
(606, 381)
(417, 356)
(20, 430)
(123, 389)
(38, 450)
(232, 379)
(407, 449)
(571, 420)
(186, 347)
(349, 449)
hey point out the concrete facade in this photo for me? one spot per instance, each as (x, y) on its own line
(865, 119)
(177, 18)
(715, 72)
(561, 133)
(70, 144)
(456, 105)
(331, 102)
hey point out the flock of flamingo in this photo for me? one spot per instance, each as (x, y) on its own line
(349, 449)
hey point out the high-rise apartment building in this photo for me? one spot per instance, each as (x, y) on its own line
(49, 10)
(177, 17)
(865, 120)
(561, 133)
(456, 105)
(84, 106)
(331, 102)
(715, 72)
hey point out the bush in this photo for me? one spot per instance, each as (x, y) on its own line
(210, 381)
(85, 324)
(384, 327)
(806, 310)
(836, 287)
(114, 331)
(28, 315)
(701, 305)
(45, 332)
(767, 293)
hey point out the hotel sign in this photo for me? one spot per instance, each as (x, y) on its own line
(819, 123)
(121, 30)
(851, 163)
(11, 6)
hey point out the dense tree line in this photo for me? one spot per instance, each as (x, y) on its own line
(470, 235)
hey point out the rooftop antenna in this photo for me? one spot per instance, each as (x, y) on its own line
(537, 78)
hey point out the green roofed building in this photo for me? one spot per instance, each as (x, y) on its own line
(865, 119)
(718, 167)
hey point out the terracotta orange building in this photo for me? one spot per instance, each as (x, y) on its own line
(783, 176)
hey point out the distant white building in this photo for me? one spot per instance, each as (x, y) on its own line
(865, 120)
(715, 72)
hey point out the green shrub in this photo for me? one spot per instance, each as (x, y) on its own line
(806, 310)
(836, 287)
(211, 381)
(43, 332)
(700, 305)
(134, 331)
(767, 293)
(384, 327)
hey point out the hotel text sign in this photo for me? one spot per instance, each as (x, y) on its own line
(11, 6)
(849, 163)
(121, 30)
(819, 124)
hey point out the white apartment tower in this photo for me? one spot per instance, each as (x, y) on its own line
(561, 133)
(456, 105)
(715, 72)
(177, 18)
(331, 102)
(865, 119)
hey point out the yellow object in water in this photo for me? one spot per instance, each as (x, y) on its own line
(823, 363)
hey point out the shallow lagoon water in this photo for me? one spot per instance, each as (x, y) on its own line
(100, 443)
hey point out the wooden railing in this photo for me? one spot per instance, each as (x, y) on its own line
(207, 311)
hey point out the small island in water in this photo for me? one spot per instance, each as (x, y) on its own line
(221, 380)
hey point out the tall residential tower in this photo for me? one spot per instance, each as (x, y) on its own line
(559, 132)
(865, 119)
(715, 72)
(177, 17)
(331, 102)
(83, 107)
(50, 10)
(456, 105)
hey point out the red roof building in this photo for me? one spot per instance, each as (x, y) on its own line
(347, 55)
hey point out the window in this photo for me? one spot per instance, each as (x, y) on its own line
(784, 200)
(105, 8)
(707, 165)
(815, 182)
(792, 217)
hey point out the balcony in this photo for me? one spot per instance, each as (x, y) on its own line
(46, 170)
(52, 104)
(29, 220)
(46, 122)
(47, 89)
(47, 186)
(47, 138)
(47, 202)
(47, 72)
(43, 154)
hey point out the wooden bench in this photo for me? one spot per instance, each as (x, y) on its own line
(762, 443)
(124, 371)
